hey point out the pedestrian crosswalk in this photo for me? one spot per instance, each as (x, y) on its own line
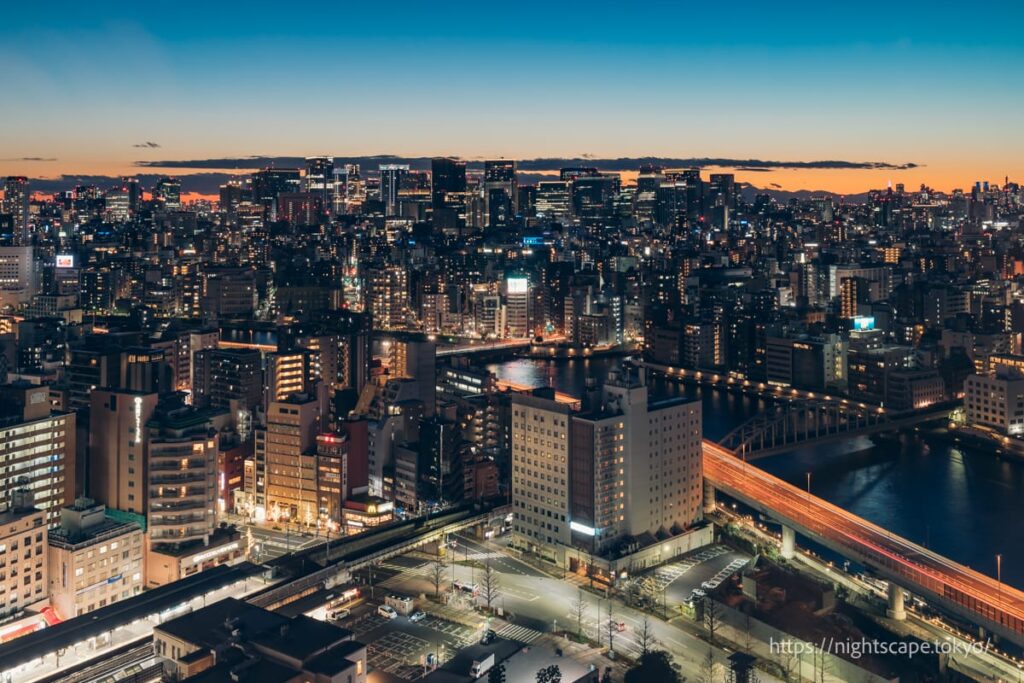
(480, 557)
(418, 570)
(519, 633)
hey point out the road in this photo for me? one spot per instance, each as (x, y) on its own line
(985, 599)
(534, 602)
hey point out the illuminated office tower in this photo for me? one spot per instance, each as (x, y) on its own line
(37, 448)
(553, 200)
(720, 199)
(231, 194)
(500, 192)
(391, 176)
(517, 307)
(16, 195)
(269, 183)
(167, 192)
(319, 180)
(117, 204)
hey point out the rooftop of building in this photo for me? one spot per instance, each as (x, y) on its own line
(72, 539)
(214, 624)
(302, 637)
(250, 639)
(236, 669)
(11, 515)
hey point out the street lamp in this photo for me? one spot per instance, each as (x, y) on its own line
(808, 490)
(999, 580)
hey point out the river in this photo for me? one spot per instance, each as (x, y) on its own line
(960, 501)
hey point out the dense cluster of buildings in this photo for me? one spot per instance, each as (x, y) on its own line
(174, 370)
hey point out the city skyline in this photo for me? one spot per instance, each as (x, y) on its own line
(450, 342)
(905, 85)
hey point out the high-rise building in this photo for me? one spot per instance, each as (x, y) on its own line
(167, 193)
(18, 281)
(118, 467)
(391, 177)
(517, 307)
(600, 482)
(500, 192)
(388, 297)
(23, 582)
(553, 200)
(418, 361)
(156, 463)
(227, 377)
(37, 448)
(319, 180)
(332, 488)
(227, 292)
(271, 182)
(181, 490)
(448, 193)
(592, 194)
(16, 196)
(720, 199)
(286, 452)
(288, 372)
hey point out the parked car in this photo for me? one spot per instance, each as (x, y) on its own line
(488, 637)
(387, 611)
(417, 616)
(339, 614)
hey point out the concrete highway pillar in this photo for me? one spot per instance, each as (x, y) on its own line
(788, 543)
(709, 498)
(896, 610)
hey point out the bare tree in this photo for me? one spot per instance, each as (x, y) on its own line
(747, 637)
(707, 668)
(712, 617)
(438, 572)
(645, 636)
(491, 584)
(787, 662)
(822, 666)
(579, 608)
(611, 628)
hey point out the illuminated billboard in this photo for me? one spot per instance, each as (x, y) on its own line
(863, 323)
(517, 285)
(65, 260)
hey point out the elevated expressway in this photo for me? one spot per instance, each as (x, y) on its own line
(977, 598)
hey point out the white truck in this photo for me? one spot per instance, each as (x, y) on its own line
(481, 666)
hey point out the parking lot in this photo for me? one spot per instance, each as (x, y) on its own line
(708, 567)
(400, 646)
